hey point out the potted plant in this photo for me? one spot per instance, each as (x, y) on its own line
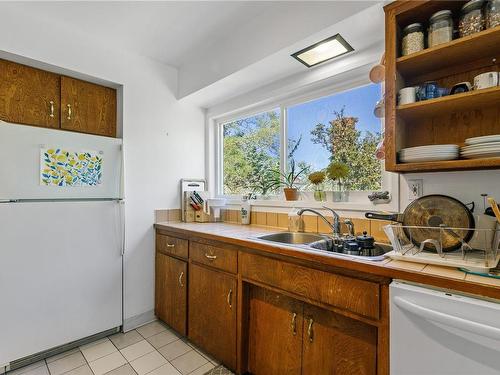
(337, 172)
(289, 181)
(317, 179)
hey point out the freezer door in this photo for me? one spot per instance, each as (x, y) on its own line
(435, 332)
(60, 274)
(20, 163)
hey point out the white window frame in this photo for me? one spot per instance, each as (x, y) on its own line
(358, 200)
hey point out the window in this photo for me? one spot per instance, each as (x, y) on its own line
(336, 128)
(251, 154)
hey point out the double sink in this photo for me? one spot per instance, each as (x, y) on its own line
(320, 242)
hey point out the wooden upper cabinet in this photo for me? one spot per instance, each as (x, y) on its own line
(87, 107)
(275, 334)
(29, 96)
(171, 291)
(212, 312)
(337, 345)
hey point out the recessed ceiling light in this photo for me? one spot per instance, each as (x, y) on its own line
(323, 51)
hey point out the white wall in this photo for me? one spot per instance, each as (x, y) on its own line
(163, 138)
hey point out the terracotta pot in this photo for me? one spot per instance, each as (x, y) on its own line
(291, 194)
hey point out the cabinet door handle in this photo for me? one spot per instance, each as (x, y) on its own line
(310, 331)
(170, 245)
(294, 324)
(230, 298)
(210, 257)
(51, 113)
(180, 279)
(69, 111)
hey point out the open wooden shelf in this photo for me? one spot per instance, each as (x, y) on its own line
(449, 104)
(447, 120)
(449, 165)
(484, 44)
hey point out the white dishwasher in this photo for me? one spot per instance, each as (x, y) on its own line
(435, 332)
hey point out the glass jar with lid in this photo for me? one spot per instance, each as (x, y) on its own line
(471, 18)
(440, 28)
(413, 39)
(492, 14)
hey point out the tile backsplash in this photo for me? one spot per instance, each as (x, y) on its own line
(310, 223)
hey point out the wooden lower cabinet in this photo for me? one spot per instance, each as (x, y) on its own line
(212, 312)
(275, 334)
(171, 291)
(287, 336)
(336, 345)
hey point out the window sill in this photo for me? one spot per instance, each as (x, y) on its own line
(340, 206)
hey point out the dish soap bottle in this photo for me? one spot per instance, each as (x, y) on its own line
(245, 210)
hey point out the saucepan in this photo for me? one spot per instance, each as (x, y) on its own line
(434, 211)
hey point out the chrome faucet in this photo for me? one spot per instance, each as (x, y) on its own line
(350, 226)
(336, 219)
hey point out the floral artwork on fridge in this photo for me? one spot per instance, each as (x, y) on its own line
(60, 167)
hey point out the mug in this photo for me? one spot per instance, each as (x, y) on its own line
(407, 95)
(485, 80)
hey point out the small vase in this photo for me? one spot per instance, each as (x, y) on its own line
(344, 196)
(319, 194)
(291, 194)
(337, 196)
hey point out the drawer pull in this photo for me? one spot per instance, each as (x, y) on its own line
(210, 257)
(294, 324)
(180, 279)
(230, 298)
(69, 111)
(51, 114)
(170, 245)
(310, 331)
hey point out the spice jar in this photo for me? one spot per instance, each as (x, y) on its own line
(471, 18)
(413, 39)
(440, 28)
(492, 14)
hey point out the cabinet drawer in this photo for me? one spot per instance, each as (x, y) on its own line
(223, 259)
(358, 296)
(171, 245)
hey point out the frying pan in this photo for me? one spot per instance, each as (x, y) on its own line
(434, 211)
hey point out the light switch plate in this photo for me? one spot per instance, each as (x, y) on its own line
(415, 189)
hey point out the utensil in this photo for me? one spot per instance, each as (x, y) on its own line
(433, 211)
(494, 207)
(377, 73)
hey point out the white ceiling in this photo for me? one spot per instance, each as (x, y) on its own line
(221, 48)
(167, 31)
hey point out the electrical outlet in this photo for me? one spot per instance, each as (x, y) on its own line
(415, 189)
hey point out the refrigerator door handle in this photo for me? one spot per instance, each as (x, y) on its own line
(448, 320)
(121, 203)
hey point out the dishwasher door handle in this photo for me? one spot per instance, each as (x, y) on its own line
(448, 320)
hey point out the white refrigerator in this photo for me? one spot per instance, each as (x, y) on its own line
(61, 238)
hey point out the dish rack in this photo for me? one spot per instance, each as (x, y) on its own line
(479, 254)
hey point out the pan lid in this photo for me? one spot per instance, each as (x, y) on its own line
(435, 211)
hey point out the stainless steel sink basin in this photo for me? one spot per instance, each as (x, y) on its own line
(318, 242)
(294, 238)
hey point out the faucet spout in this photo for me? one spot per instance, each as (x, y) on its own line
(335, 227)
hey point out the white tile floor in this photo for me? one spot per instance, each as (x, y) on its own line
(152, 349)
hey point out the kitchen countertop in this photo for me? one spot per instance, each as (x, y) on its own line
(243, 235)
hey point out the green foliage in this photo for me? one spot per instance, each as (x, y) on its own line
(291, 178)
(251, 154)
(347, 145)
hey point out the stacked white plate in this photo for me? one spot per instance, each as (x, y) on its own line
(429, 153)
(481, 147)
